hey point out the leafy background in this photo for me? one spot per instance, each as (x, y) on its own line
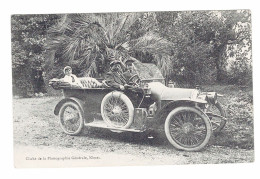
(189, 47)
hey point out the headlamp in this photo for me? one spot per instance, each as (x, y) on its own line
(212, 97)
(195, 94)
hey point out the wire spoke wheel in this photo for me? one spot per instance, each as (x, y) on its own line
(71, 120)
(217, 116)
(188, 128)
(117, 110)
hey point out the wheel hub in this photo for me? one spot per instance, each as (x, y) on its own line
(187, 127)
(70, 116)
(116, 110)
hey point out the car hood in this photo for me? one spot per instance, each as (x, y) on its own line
(162, 92)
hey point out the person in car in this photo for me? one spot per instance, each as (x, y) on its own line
(130, 70)
(69, 77)
(115, 78)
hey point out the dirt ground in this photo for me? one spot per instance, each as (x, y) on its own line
(37, 134)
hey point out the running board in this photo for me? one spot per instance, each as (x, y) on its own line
(102, 124)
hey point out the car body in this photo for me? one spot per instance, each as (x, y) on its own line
(182, 113)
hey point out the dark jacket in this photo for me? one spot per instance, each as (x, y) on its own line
(128, 75)
(115, 79)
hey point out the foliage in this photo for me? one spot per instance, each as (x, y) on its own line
(28, 39)
(234, 34)
(238, 103)
(192, 47)
(204, 41)
(88, 42)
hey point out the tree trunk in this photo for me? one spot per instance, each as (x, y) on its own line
(219, 62)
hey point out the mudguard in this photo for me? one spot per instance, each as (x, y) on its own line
(72, 99)
(168, 106)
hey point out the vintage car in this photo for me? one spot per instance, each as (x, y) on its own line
(185, 115)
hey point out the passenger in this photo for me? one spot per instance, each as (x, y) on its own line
(70, 78)
(115, 78)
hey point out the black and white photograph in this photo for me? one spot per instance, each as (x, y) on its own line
(132, 88)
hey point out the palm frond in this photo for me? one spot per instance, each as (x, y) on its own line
(91, 70)
(151, 43)
(122, 29)
(89, 39)
(60, 27)
(165, 63)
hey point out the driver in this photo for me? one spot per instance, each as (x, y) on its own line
(115, 78)
(130, 70)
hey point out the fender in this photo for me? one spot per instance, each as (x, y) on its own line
(162, 113)
(75, 100)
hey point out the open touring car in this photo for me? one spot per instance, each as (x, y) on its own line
(185, 114)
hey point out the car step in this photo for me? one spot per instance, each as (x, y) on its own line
(102, 124)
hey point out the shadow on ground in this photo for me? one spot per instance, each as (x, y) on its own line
(151, 138)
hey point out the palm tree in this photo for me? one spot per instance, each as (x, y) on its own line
(90, 41)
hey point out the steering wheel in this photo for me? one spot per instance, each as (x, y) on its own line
(134, 80)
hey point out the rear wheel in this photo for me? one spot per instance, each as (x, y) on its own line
(188, 128)
(71, 120)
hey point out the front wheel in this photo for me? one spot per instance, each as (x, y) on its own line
(71, 118)
(188, 128)
(217, 116)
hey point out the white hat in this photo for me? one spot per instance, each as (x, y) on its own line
(66, 68)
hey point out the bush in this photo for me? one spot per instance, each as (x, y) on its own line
(28, 40)
(240, 72)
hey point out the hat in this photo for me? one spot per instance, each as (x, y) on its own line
(114, 62)
(129, 61)
(66, 68)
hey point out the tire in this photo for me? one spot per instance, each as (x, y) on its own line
(117, 110)
(188, 128)
(217, 123)
(71, 118)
